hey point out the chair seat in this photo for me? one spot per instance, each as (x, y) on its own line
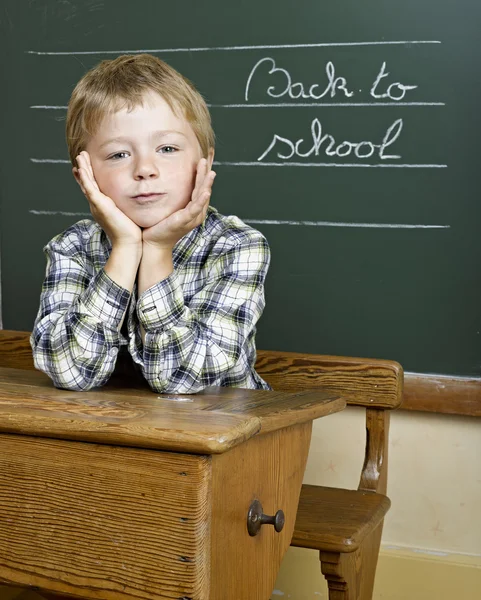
(335, 519)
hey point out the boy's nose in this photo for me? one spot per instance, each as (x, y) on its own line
(146, 169)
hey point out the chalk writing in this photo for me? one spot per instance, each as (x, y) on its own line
(297, 90)
(326, 143)
(284, 85)
(390, 93)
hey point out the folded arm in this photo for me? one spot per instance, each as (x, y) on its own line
(75, 338)
(207, 340)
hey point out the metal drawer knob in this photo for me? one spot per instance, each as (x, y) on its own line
(256, 518)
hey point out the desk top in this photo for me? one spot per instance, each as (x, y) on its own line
(210, 422)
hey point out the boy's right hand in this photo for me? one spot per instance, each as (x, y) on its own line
(121, 230)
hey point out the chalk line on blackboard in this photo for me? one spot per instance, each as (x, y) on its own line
(322, 104)
(288, 105)
(286, 164)
(50, 160)
(300, 164)
(340, 224)
(231, 48)
(63, 213)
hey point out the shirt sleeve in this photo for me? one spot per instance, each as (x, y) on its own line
(190, 345)
(75, 338)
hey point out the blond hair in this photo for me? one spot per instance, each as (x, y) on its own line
(122, 83)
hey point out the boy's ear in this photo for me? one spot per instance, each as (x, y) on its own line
(210, 158)
(77, 178)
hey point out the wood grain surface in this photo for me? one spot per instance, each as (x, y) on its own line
(347, 516)
(208, 423)
(360, 381)
(78, 518)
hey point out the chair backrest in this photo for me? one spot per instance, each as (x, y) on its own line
(361, 381)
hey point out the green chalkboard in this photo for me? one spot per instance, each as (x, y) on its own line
(347, 132)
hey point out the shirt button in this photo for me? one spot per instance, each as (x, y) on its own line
(113, 352)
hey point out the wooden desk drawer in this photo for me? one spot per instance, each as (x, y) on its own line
(76, 517)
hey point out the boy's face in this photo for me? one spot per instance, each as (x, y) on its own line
(145, 160)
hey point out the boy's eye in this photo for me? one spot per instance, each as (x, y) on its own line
(167, 149)
(117, 156)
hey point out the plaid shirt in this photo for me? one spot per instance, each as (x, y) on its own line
(199, 323)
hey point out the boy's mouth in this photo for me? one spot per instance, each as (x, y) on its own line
(151, 196)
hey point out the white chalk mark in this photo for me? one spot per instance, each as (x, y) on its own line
(289, 105)
(285, 164)
(234, 48)
(340, 224)
(395, 91)
(62, 213)
(333, 149)
(48, 107)
(325, 104)
(296, 90)
(50, 160)
(341, 165)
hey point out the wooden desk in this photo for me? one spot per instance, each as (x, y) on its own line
(121, 494)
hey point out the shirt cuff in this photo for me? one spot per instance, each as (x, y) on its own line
(162, 305)
(105, 300)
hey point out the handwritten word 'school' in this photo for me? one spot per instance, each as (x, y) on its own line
(326, 143)
(335, 84)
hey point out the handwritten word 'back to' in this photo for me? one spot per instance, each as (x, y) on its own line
(335, 85)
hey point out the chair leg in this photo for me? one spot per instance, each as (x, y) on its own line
(351, 576)
(341, 574)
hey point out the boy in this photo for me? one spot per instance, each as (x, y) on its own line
(159, 271)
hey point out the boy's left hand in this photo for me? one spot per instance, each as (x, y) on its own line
(165, 234)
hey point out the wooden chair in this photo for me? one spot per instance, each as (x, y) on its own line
(344, 525)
